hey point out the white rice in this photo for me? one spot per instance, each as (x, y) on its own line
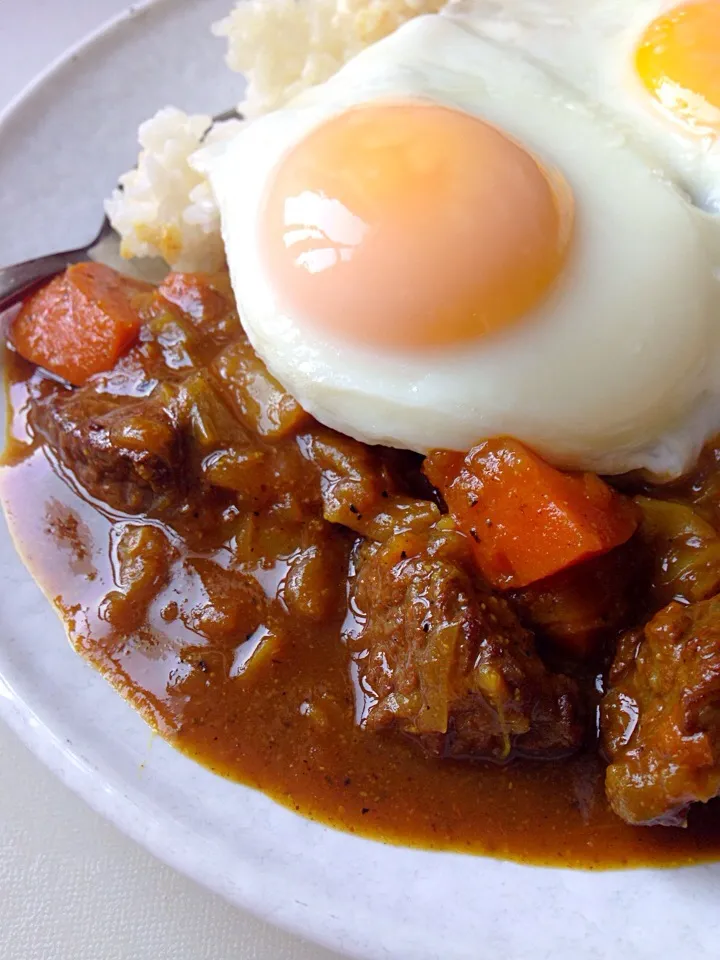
(285, 46)
(165, 208)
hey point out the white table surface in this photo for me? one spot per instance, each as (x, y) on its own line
(71, 886)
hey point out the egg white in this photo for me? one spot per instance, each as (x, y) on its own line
(617, 369)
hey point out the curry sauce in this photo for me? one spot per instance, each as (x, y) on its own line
(237, 654)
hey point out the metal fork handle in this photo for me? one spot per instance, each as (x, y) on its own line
(20, 279)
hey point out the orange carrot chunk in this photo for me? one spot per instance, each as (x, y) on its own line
(81, 322)
(526, 519)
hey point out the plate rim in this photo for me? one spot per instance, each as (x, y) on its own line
(68, 55)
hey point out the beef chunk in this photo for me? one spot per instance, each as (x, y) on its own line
(443, 659)
(125, 451)
(661, 716)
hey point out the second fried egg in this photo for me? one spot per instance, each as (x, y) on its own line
(654, 65)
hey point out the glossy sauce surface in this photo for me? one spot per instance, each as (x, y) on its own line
(220, 610)
(268, 699)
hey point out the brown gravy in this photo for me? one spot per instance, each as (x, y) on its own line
(287, 725)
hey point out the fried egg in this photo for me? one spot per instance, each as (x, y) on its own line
(446, 242)
(654, 64)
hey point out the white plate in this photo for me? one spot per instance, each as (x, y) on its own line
(61, 148)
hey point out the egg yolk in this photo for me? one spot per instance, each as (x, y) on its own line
(678, 60)
(412, 224)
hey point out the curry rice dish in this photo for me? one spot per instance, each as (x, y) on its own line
(416, 529)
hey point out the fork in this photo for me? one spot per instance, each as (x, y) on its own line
(19, 279)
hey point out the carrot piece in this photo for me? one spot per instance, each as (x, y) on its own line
(526, 519)
(81, 322)
(204, 297)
